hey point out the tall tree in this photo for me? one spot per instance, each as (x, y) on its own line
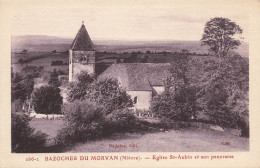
(219, 35)
(21, 87)
(47, 100)
(78, 90)
(108, 93)
(178, 102)
(54, 79)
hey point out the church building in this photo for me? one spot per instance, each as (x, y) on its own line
(142, 81)
(81, 54)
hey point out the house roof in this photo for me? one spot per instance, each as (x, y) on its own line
(82, 40)
(137, 76)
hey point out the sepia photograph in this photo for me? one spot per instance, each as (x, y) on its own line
(145, 83)
(110, 77)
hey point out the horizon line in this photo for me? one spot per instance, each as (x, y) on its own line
(126, 40)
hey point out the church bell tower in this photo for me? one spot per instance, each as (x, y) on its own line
(81, 54)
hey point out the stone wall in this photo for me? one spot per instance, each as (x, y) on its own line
(81, 61)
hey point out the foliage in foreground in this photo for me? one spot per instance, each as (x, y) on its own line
(121, 121)
(109, 94)
(226, 94)
(79, 89)
(219, 90)
(23, 137)
(106, 92)
(85, 120)
(178, 100)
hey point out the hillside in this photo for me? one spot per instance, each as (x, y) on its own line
(40, 43)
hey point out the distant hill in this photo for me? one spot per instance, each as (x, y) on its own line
(41, 43)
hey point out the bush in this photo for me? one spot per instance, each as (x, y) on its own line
(177, 106)
(79, 89)
(121, 121)
(55, 63)
(22, 136)
(109, 94)
(20, 61)
(16, 106)
(105, 92)
(83, 121)
(47, 100)
(32, 71)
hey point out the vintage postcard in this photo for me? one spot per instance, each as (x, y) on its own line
(144, 83)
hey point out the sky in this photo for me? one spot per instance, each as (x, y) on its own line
(125, 20)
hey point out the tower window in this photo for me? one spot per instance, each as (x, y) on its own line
(135, 99)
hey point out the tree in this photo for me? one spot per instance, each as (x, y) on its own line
(47, 100)
(23, 138)
(219, 36)
(108, 93)
(83, 120)
(79, 89)
(178, 102)
(54, 79)
(145, 59)
(226, 94)
(30, 70)
(24, 51)
(21, 61)
(185, 51)
(21, 87)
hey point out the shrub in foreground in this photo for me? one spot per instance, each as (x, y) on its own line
(23, 137)
(83, 121)
(121, 121)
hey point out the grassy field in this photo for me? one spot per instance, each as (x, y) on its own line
(189, 140)
(40, 59)
(185, 140)
(49, 127)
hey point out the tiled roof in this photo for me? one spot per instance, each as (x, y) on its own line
(137, 76)
(82, 41)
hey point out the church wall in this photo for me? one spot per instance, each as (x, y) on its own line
(143, 99)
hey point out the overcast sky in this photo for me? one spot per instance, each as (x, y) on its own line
(125, 20)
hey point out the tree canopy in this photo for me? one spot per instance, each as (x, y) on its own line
(47, 100)
(219, 35)
(54, 79)
(21, 87)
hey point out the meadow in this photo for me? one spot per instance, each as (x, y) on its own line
(39, 59)
(184, 140)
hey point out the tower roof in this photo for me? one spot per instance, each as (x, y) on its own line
(82, 40)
